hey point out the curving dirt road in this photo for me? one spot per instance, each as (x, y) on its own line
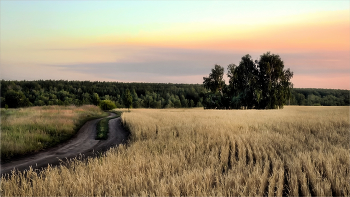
(83, 143)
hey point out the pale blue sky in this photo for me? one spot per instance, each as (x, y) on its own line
(108, 40)
(86, 18)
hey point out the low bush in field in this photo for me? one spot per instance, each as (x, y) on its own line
(107, 105)
(27, 130)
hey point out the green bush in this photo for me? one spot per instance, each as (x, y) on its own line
(107, 105)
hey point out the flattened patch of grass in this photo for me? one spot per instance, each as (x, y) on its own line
(103, 126)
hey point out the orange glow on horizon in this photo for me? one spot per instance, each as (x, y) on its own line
(293, 35)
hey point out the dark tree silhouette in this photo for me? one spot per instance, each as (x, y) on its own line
(128, 99)
(243, 83)
(274, 82)
(263, 84)
(215, 81)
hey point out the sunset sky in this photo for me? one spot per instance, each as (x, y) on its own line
(172, 41)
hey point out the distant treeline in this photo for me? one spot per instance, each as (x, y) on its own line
(319, 97)
(144, 95)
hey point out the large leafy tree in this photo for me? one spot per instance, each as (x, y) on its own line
(243, 82)
(216, 84)
(274, 82)
(215, 81)
(95, 99)
(127, 98)
(16, 99)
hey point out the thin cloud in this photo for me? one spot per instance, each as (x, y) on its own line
(170, 64)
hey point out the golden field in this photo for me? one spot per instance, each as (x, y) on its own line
(295, 151)
(27, 130)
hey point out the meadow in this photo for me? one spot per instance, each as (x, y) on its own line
(27, 130)
(295, 151)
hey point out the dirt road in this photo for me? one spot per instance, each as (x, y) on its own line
(83, 143)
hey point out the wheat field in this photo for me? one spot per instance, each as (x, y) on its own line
(297, 151)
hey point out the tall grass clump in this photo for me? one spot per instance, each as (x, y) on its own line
(296, 151)
(27, 130)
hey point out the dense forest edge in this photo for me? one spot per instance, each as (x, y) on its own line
(16, 94)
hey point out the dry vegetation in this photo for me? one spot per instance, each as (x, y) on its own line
(295, 151)
(31, 129)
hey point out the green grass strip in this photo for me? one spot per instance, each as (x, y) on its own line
(103, 126)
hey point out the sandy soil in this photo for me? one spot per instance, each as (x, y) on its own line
(83, 143)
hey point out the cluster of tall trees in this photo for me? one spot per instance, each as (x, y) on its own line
(263, 84)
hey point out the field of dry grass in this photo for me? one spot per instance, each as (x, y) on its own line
(295, 151)
(31, 129)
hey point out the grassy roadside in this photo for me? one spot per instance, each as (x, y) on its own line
(103, 127)
(28, 130)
